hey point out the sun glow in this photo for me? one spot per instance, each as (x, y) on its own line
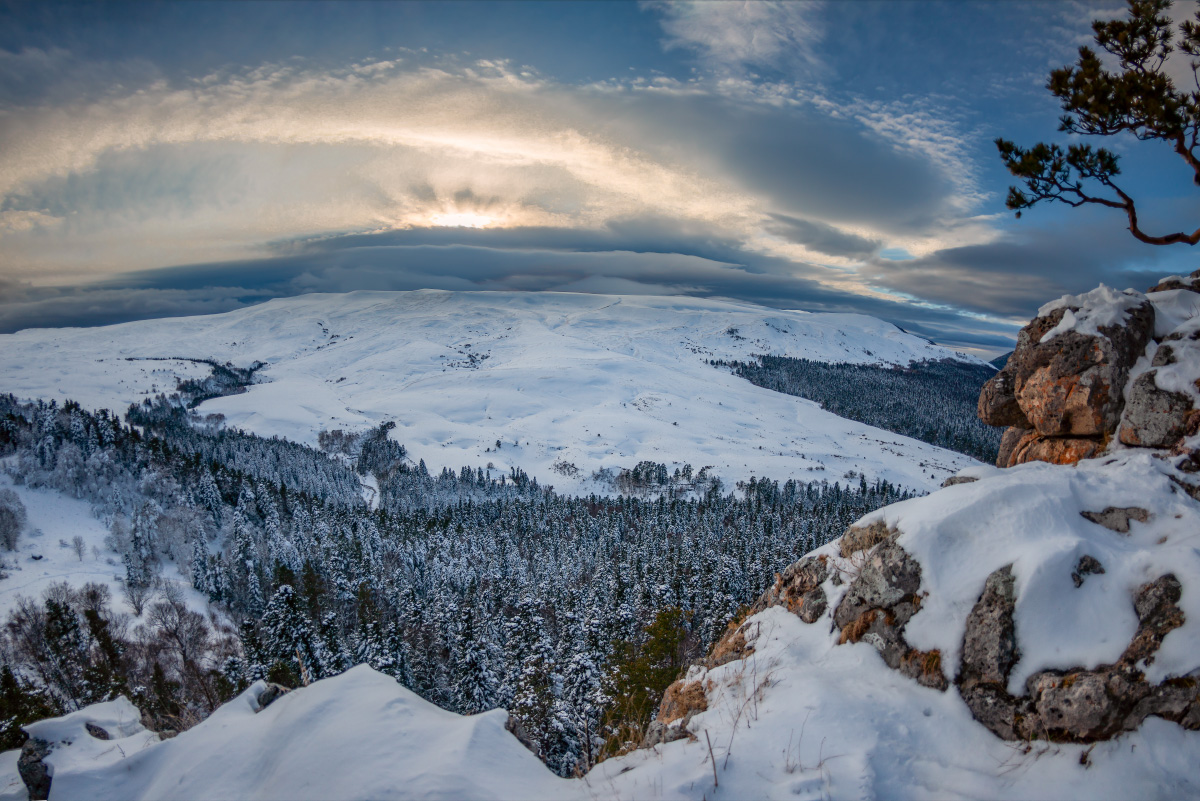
(461, 220)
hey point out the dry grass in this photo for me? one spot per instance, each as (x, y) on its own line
(855, 630)
(681, 699)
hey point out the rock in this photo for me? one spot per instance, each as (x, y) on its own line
(889, 580)
(955, 480)
(1008, 444)
(1087, 566)
(730, 648)
(1076, 706)
(1190, 282)
(1033, 447)
(800, 588)
(1154, 417)
(990, 643)
(96, 731)
(998, 402)
(878, 605)
(682, 700)
(1117, 518)
(34, 772)
(860, 538)
(1073, 705)
(1061, 391)
(271, 694)
(513, 726)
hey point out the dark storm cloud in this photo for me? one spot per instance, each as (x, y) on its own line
(614, 260)
(823, 238)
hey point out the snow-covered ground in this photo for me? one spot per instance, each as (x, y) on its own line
(590, 380)
(800, 717)
(54, 520)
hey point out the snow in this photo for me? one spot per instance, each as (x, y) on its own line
(599, 381)
(11, 786)
(54, 518)
(73, 749)
(833, 722)
(1029, 516)
(357, 736)
(1089, 312)
(1180, 375)
(1172, 309)
(801, 717)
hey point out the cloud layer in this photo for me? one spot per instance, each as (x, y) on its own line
(130, 189)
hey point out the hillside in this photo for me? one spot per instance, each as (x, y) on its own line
(794, 714)
(588, 381)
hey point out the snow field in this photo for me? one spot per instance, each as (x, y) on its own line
(591, 380)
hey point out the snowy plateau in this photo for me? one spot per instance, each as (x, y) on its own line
(593, 381)
(605, 382)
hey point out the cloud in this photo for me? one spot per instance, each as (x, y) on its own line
(738, 34)
(1013, 276)
(619, 259)
(823, 238)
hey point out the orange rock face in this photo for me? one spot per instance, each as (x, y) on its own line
(1063, 398)
(1032, 447)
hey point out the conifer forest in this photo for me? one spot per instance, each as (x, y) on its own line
(474, 589)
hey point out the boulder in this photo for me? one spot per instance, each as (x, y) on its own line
(270, 694)
(798, 588)
(1008, 444)
(1072, 705)
(1161, 409)
(1033, 447)
(998, 402)
(990, 644)
(878, 605)
(1190, 282)
(1062, 391)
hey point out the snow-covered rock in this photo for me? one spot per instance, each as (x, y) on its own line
(1062, 388)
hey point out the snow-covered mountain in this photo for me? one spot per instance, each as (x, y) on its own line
(562, 379)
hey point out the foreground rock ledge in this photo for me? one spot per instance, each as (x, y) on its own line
(870, 587)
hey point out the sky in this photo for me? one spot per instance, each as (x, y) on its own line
(162, 159)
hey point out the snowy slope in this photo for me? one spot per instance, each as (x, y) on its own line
(592, 380)
(800, 717)
(54, 520)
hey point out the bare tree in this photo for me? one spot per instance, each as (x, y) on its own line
(137, 594)
(77, 546)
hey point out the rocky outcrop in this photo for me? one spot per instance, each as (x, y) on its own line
(1162, 407)
(1074, 384)
(1190, 282)
(878, 605)
(1072, 705)
(1061, 391)
(798, 588)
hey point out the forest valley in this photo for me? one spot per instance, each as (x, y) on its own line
(473, 589)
